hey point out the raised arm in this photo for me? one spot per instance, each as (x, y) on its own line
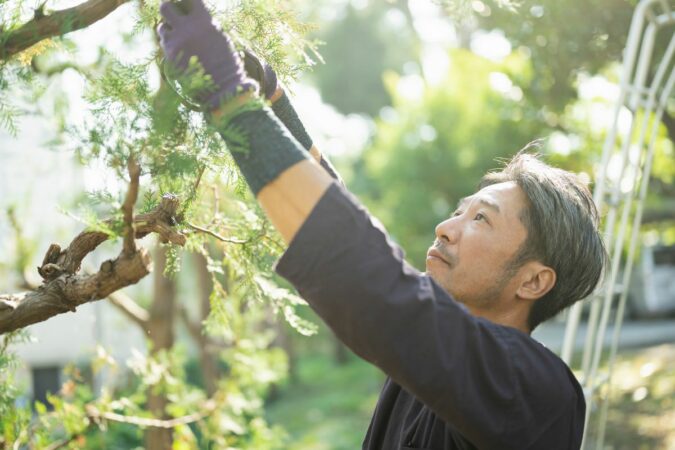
(342, 261)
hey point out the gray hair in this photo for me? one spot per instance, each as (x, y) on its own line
(562, 231)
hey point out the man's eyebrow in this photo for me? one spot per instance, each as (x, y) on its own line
(490, 204)
(483, 201)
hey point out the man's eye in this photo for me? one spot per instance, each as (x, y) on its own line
(480, 216)
(457, 213)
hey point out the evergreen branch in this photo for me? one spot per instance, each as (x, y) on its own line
(8, 114)
(56, 24)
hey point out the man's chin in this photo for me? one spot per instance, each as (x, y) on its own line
(443, 281)
(440, 278)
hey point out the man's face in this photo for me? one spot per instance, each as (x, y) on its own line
(473, 248)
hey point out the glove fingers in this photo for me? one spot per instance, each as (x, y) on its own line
(262, 72)
(198, 7)
(170, 12)
(271, 81)
(253, 67)
(162, 31)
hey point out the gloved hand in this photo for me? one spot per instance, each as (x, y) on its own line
(261, 72)
(188, 30)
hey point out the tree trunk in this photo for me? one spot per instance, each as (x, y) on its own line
(207, 354)
(161, 335)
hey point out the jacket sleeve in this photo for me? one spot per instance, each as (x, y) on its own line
(464, 368)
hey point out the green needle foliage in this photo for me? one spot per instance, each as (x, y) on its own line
(132, 112)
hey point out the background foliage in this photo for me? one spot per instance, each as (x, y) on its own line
(432, 134)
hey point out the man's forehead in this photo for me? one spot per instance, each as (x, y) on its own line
(501, 196)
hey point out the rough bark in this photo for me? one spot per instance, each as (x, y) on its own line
(56, 24)
(161, 334)
(67, 292)
(64, 289)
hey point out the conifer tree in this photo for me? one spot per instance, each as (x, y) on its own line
(182, 191)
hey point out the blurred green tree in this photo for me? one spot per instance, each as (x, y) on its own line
(431, 148)
(358, 48)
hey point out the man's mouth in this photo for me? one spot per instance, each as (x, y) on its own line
(435, 253)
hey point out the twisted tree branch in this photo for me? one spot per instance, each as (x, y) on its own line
(56, 24)
(64, 289)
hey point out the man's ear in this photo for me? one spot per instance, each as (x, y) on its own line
(537, 280)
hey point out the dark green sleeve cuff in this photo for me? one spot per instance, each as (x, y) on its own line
(261, 146)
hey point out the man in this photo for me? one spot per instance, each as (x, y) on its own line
(463, 371)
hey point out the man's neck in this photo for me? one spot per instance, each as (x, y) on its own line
(514, 317)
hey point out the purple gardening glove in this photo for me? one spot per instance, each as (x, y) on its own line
(187, 30)
(261, 72)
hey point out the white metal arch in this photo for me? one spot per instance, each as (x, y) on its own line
(646, 100)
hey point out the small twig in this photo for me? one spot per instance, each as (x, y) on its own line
(199, 179)
(95, 414)
(128, 207)
(218, 236)
(276, 243)
(193, 192)
(28, 277)
(130, 308)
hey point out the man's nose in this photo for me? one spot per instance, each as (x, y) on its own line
(449, 231)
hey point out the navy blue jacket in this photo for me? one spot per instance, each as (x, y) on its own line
(455, 381)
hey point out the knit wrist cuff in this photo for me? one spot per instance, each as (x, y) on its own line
(286, 113)
(261, 146)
